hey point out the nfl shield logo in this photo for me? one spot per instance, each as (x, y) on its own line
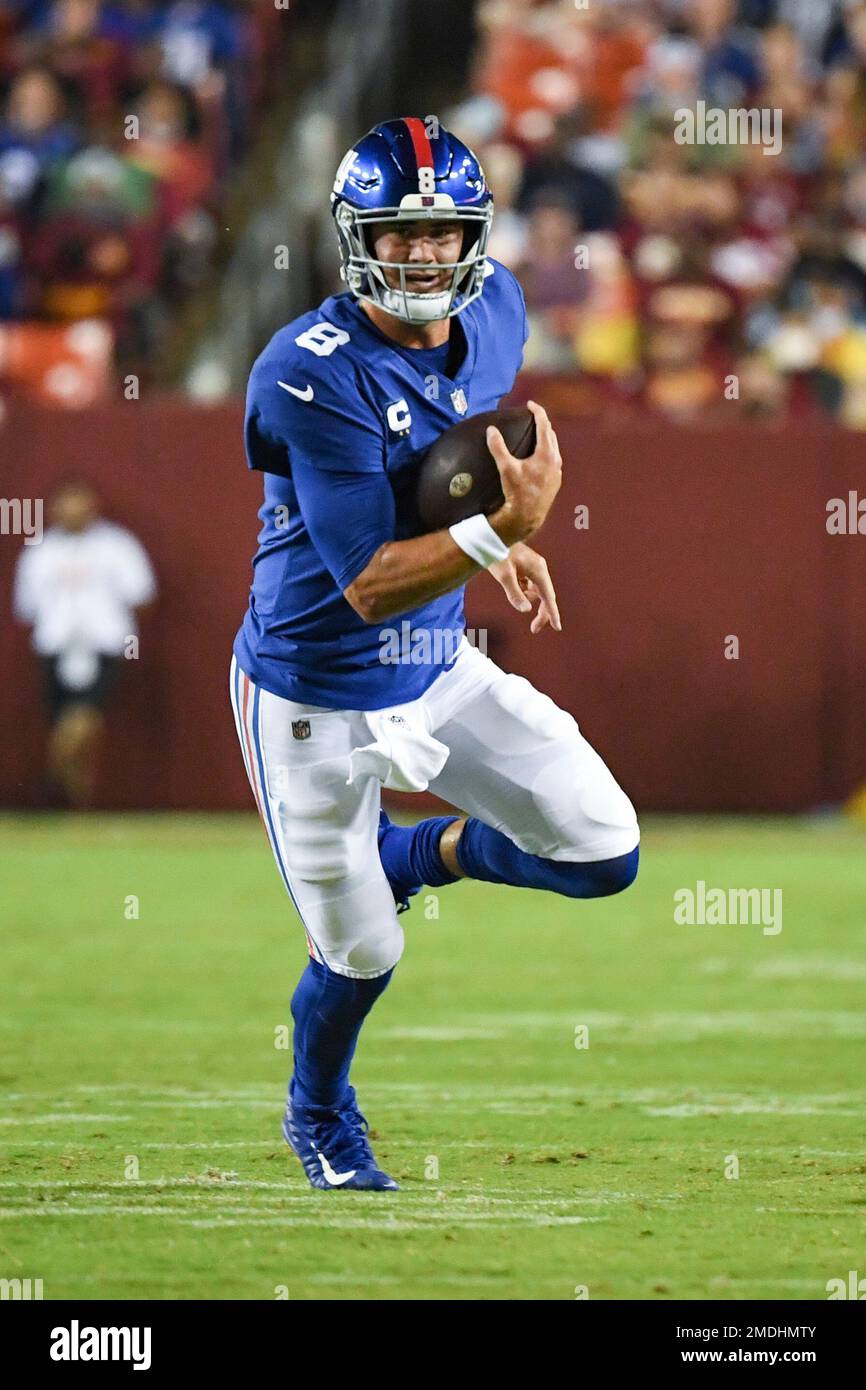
(459, 401)
(301, 728)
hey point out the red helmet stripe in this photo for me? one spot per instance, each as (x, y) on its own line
(420, 142)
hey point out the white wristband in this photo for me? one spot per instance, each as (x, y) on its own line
(477, 538)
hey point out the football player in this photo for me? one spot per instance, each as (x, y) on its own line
(341, 408)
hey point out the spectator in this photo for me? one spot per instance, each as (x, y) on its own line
(554, 284)
(204, 47)
(730, 71)
(35, 119)
(168, 147)
(132, 23)
(16, 185)
(129, 229)
(73, 45)
(96, 251)
(79, 590)
(555, 169)
(716, 256)
(503, 169)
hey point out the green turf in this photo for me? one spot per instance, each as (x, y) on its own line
(529, 1166)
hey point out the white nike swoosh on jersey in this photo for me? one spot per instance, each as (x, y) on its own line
(335, 1179)
(306, 395)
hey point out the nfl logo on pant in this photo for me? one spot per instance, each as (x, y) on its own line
(301, 728)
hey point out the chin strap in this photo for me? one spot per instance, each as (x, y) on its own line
(425, 308)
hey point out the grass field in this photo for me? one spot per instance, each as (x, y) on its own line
(139, 1140)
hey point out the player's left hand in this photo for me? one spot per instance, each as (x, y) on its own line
(526, 580)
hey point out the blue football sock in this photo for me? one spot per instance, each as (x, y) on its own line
(485, 853)
(328, 1010)
(410, 854)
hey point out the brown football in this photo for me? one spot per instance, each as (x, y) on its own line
(458, 475)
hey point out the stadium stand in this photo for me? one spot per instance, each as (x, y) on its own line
(689, 280)
(681, 277)
(122, 125)
(364, 50)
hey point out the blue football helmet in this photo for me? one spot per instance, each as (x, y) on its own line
(407, 171)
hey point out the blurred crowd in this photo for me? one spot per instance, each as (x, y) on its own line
(684, 278)
(121, 124)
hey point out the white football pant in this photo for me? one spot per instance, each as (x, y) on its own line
(507, 755)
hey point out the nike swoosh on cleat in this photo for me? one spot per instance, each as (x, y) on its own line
(335, 1179)
(305, 395)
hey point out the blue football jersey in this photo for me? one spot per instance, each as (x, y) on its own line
(338, 418)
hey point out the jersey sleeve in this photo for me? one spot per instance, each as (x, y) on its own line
(348, 515)
(326, 437)
(298, 411)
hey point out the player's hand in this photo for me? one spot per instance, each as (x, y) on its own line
(526, 580)
(529, 485)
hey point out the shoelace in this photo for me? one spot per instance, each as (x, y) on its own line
(342, 1137)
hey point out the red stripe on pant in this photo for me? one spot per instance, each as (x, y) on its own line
(254, 780)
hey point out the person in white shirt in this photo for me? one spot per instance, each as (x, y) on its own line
(79, 590)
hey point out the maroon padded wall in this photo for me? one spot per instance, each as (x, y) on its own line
(693, 535)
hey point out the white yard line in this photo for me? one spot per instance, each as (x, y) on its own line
(395, 1224)
(200, 1190)
(723, 1282)
(688, 1110)
(812, 1211)
(274, 1143)
(66, 1118)
(809, 968)
(332, 1216)
(131, 1093)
